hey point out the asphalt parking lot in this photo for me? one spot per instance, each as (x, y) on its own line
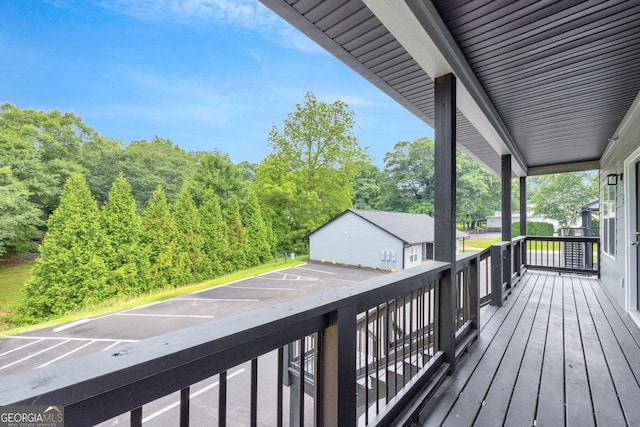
(41, 348)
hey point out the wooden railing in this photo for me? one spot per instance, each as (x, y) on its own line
(369, 368)
(564, 254)
(370, 353)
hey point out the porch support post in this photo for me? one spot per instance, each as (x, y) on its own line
(506, 214)
(445, 209)
(522, 251)
(523, 205)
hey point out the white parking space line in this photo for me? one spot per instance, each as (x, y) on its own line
(164, 315)
(21, 347)
(294, 278)
(71, 325)
(68, 339)
(218, 299)
(34, 354)
(66, 354)
(117, 313)
(112, 345)
(223, 285)
(317, 271)
(261, 288)
(191, 396)
(276, 271)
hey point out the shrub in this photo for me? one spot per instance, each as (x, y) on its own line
(533, 228)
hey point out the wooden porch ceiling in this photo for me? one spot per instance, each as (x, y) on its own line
(549, 81)
(560, 352)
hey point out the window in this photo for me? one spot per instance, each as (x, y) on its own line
(608, 240)
(413, 254)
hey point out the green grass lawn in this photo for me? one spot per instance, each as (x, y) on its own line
(12, 278)
(472, 245)
(480, 243)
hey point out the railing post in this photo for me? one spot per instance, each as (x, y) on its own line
(474, 292)
(496, 275)
(338, 370)
(517, 254)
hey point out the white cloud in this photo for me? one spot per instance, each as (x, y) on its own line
(176, 96)
(243, 13)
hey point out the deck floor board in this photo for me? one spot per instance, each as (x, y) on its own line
(558, 353)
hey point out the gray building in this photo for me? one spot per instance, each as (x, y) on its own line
(377, 239)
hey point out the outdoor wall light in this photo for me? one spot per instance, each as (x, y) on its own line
(612, 179)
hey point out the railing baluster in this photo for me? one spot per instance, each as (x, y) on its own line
(378, 342)
(254, 392)
(222, 400)
(184, 407)
(413, 312)
(302, 380)
(366, 367)
(431, 320)
(395, 347)
(387, 344)
(136, 417)
(404, 339)
(280, 386)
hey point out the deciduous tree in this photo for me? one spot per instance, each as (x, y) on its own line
(19, 217)
(560, 196)
(309, 175)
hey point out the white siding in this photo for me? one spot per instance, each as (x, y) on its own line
(350, 239)
(619, 272)
(613, 266)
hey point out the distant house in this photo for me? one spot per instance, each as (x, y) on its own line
(494, 222)
(377, 239)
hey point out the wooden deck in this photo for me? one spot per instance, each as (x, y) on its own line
(559, 352)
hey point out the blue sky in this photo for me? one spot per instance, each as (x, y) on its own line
(206, 74)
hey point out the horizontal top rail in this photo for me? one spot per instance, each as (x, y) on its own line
(144, 371)
(463, 260)
(582, 239)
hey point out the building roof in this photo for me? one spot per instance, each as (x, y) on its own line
(408, 227)
(591, 206)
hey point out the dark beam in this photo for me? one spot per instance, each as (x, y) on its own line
(564, 167)
(445, 207)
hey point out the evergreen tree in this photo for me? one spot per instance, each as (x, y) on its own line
(191, 261)
(216, 245)
(271, 234)
(127, 257)
(257, 247)
(71, 271)
(236, 234)
(159, 235)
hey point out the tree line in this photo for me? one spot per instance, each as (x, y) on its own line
(90, 254)
(160, 216)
